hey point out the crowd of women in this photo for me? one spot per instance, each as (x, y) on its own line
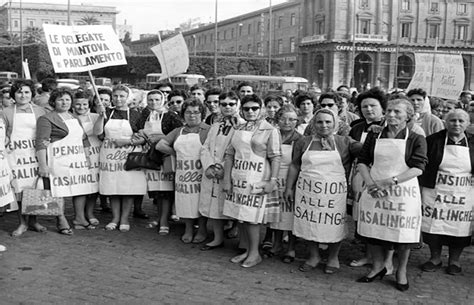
(295, 164)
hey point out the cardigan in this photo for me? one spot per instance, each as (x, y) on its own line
(435, 143)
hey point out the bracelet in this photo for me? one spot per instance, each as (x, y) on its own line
(132, 142)
(274, 178)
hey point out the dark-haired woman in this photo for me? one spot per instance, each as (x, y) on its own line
(20, 123)
(62, 158)
(186, 143)
(423, 116)
(272, 103)
(306, 103)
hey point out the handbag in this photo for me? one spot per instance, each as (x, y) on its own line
(40, 202)
(150, 159)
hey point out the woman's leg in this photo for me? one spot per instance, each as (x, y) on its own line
(435, 250)
(201, 234)
(403, 256)
(127, 202)
(291, 244)
(333, 259)
(253, 258)
(277, 241)
(454, 255)
(137, 207)
(314, 257)
(218, 228)
(115, 205)
(377, 253)
(243, 235)
(34, 225)
(23, 223)
(90, 204)
(388, 262)
(188, 230)
(79, 203)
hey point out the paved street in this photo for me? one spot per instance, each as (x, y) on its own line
(141, 267)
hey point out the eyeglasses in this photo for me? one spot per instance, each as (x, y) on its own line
(327, 105)
(247, 109)
(166, 91)
(174, 102)
(212, 102)
(228, 104)
(288, 120)
(192, 112)
(5, 91)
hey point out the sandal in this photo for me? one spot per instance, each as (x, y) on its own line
(78, 226)
(124, 228)
(111, 226)
(306, 267)
(65, 231)
(164, 230)
(19, 231)
(37, 228)
(94, 221)
(152, 224)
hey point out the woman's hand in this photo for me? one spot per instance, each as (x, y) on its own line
(289, 196)
(384, 183)
(121, 142)
(43, 171)
(270, 186)
(227, 186)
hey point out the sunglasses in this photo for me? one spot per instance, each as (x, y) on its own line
(247, 109)
(175, 102)
(228, 104)
(327, 105)
(166, 91)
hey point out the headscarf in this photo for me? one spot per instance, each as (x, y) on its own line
(325, 140)
(155, 114)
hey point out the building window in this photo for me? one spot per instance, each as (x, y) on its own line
(433, 30)
(205, 38)
(406, 5)
(280, 46)
(16, 24)
(199, 40)
(232, 33)
(259, 27)
(280, 22)
(364, 4)
(434, 7)
(320, 30)
(249, 29)
(292, 44)
(406, 30)
(225, 34)
(293, 19)
(259, 49)
(212, 37)
(31, 23)
(364, 26)
(218, 35)
(240, 48)
(249, 48)
(240, 29)
(461, 32)
(462, 8)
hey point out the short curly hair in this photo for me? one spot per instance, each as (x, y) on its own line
(193, 102)
(303, 96)
(19, 83)
(57, 93)
(375, 93)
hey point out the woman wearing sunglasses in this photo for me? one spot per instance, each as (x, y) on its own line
(211, 202)
(175, 100)
(251, 173)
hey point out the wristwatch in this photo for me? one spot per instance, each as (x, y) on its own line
(395, 180)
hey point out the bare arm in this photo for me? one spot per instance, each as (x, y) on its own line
(165, 147)
(43, 163)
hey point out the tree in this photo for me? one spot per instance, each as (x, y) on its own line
(89, 20)
(33, 34)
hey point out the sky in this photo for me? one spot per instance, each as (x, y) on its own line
(150, 16)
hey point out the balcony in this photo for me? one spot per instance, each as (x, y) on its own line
(371, 37)
(314, 38)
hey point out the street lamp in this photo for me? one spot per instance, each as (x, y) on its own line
(320, 80)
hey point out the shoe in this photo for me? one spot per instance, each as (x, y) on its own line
(306, 267)
(199, 239)
(65, 231)
(207, 247)
(239, 258)
(267, 245)
(174, 218)
(231, 233)
(366, 279)
(429, 266)
(152, 224)
(402, 287)
(267, 253)
(164, 230)
(359, 262)
(111, 226)
(247, 264)
(94, 221)
(187, 239)
(330, 270)
(453, 269)
(287, 259)
(37, 228)
(124, 228)
(3, 248)
(79, 226)
(141, 215)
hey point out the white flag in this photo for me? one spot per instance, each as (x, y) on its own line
(173, 56)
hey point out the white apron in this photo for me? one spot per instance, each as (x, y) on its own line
(211, 201)
(113, 179)
(396, 217)
(287, 210)
(157, 180)
(188, 175)
(6, 193)
(248, 169)
(69, 168)
(320, 197)
(21, 153)
(448, 208)
(357, 184)
(94, 148)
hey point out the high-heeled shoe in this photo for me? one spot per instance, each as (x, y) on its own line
(366, 279)
(402, 287)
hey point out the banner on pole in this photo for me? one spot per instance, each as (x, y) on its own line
(83, 47)
(173, 56)
(440, 75)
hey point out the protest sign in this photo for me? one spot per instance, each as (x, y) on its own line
(441, 75)
(83, 48)
(173, 56)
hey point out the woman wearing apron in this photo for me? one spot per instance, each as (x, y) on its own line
(155, 123)
(81, 106)
(211, 201)
(119, 126)
(424, 118)
(20, 122)
(62, 158)
(252, 162)
(287, 120)
(447, 194)
(186, 142)
(317, 182)
(390, 206)
(305, 104)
